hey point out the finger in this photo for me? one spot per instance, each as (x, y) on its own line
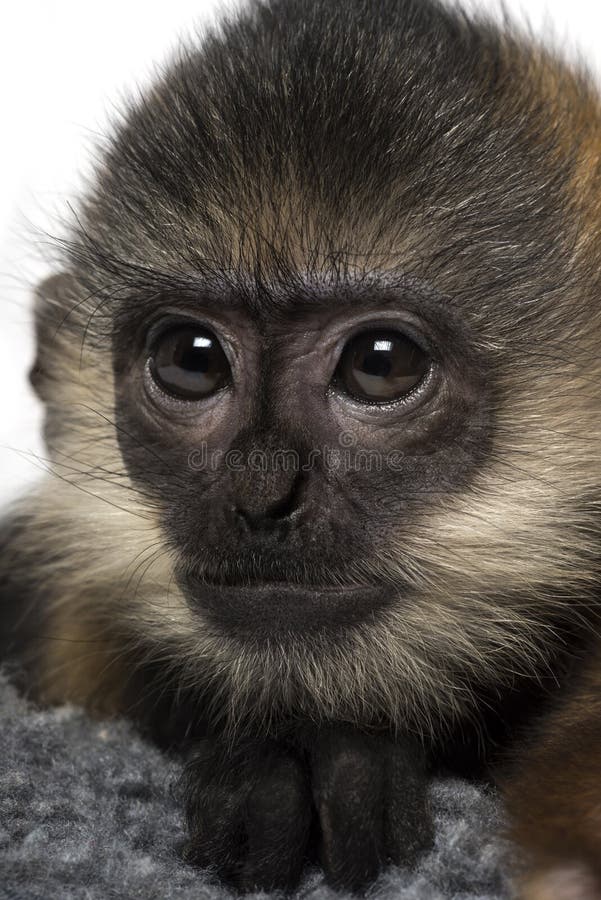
(348, 795)
(408, 823)
(215, 795)
(215, 827)
(278, 820)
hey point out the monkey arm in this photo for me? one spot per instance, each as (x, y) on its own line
(554, 799)
(353, 801)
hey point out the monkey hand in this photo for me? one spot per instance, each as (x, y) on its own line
(370, 796)
(355, 802)
(249, 813)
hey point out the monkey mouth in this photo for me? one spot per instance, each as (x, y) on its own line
(260, 608)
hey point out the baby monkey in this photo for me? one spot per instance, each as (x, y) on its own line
(322, 383)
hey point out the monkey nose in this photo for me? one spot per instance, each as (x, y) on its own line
(274, 501)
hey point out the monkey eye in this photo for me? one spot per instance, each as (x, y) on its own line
(188, 362)
(378, 366)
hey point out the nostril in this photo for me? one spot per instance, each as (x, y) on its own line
(283, 508)
(265, 513)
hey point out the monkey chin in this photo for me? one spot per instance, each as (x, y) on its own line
(278, 609)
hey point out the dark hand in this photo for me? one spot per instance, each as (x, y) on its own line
(355, 802)
(370, 794)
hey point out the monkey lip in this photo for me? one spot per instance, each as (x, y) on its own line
(275, 608)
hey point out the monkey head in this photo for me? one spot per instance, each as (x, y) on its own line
(322, 362)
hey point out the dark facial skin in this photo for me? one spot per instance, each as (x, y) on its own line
(282, 485)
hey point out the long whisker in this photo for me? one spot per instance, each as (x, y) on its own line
(132, 437)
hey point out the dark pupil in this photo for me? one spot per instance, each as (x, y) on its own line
(190, 363)
(377, 363)
(379, 366)
(192, 357)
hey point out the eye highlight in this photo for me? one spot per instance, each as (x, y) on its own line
(379, 366)
(188, 362)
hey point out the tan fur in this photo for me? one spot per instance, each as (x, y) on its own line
(553, 797)
(81, 665)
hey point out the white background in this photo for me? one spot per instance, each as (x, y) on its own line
(64, 64)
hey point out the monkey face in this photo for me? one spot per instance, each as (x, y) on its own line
(328, 349)
(299, 429)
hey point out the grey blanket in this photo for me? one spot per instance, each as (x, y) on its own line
(88, 810)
